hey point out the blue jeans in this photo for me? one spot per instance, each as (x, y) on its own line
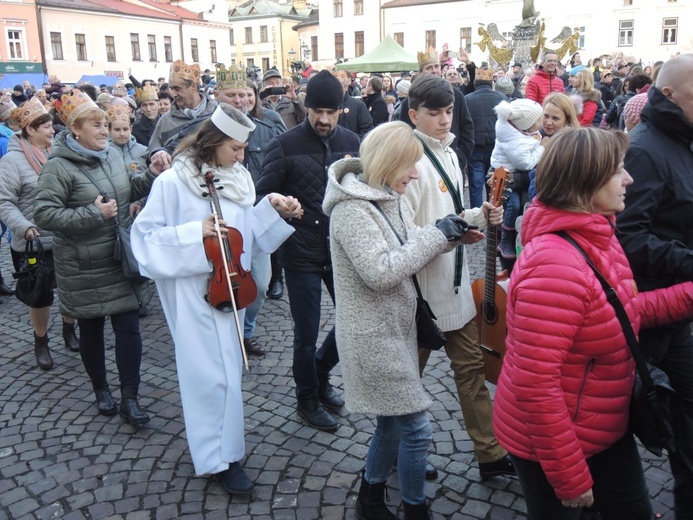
(407, 439)
(619, 486)
(479, 165)
(260, 271)
(305, 293)
(512, 210)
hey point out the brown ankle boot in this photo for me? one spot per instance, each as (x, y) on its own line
(43, 355)
(69, 337)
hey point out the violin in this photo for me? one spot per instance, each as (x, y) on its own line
(230, 287)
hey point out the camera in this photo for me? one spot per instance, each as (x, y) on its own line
(273, 91)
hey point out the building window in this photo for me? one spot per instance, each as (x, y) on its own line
(263, 34)
(337, 8)
(248, 35)
(81, 46)
(135, 46)
(151, 45)
(358, 7)
(249, 62)
(625, 33)
(399, 38)
(110, 48)
(466, 38)
(669, 30)
(14, 42)
(168, 49)
(193, 50)
(627, 2)
(430, 39)
(314, 47)
(265, 64)
(358, 43)
(213, 50)
(581, 40)
(232, 39)
(338, 46)
(57, 46)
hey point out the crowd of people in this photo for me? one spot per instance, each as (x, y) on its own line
(355, 183)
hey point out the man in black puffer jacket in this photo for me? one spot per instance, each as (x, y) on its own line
(296, 164)
(656, 231)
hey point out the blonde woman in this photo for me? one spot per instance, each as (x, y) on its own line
(591, 97)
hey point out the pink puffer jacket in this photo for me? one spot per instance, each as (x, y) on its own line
(567, 375)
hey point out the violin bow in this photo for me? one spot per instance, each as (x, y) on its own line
(225, 260)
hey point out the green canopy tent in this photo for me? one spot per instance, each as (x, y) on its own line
(388, 56)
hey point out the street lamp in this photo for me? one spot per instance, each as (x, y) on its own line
(292, 55)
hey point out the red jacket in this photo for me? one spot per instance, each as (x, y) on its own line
(542, 84)
(567, 376)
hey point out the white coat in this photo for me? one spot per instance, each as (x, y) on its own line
(167, 242)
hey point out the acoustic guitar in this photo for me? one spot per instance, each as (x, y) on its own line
(490, 298)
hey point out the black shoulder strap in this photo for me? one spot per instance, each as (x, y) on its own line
(454, 193)
(389, 222)
(621, 314)
(101, 191)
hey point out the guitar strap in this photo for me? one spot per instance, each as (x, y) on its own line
(457, 202)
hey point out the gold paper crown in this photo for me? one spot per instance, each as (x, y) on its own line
(179, 69)
(484, 74)
(73, 105)
(148, 93)
(118, 112)
(424, 58)
(28, 112)
(6, 106)
(120, 91)
(234, 77)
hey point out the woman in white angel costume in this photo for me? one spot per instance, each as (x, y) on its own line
(167, 240)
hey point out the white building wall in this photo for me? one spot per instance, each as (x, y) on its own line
(275, 51)
(204, 33)
(348, 24)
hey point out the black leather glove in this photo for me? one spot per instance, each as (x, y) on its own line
(453, 227)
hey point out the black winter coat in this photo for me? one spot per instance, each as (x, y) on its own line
(296, 164)
(143, 129)
(355, 116)
(481, 103)
(377, 108)
(462, 126)
(656, 228)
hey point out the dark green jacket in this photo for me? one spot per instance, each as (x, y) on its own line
(90, 283)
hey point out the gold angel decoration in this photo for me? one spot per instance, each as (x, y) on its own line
(501, 53)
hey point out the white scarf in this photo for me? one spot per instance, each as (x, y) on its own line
(234, 183)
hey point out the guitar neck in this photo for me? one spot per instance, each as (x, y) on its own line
(490, 267)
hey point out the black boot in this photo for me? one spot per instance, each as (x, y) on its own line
(370, 504)
(506, 247)
(234, 480)
(416, 512)
(276, 288)
(4, 290)
(43, 355)
(130, 410)
(326, 394)
(315, 415)
(105, 402)
(69, 336)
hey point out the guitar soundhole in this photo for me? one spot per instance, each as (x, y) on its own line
(489, 312)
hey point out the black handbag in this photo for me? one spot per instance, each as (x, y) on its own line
(650, 405)
(35, 278)
(428, 334)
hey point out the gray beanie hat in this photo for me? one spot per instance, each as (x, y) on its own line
(505, 86)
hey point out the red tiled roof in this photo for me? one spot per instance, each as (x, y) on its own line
(133, 9)
(167, 7)
(408, 3)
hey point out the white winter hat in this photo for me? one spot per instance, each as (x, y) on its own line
(522, 113)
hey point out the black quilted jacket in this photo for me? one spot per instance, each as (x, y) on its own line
(296, 164)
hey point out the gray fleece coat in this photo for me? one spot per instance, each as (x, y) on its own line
(90, 283)
(18, 182)
(374, 292)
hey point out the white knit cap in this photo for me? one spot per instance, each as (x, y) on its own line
(403, 86)
(525, 113)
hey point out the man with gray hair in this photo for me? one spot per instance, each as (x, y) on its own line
(656, 231)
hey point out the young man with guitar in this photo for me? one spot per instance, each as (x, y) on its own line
(445, 281)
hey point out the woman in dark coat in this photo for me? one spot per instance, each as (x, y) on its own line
(80, 191)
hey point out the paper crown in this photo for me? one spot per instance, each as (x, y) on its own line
(234, 77)
(6, 106)
(484, 74)
(28, 112)
(120, 91)
(424, 58)
(118, 113)
(179, 69)
(71, 106)
(148, 93)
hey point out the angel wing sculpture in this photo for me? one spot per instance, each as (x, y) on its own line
(569, 46)
(563, 36)
(500, 54)
(495, 34)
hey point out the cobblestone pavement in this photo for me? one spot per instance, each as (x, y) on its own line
(60, 459)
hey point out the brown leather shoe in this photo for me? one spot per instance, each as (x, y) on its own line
(253, 347)
(43, 355)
